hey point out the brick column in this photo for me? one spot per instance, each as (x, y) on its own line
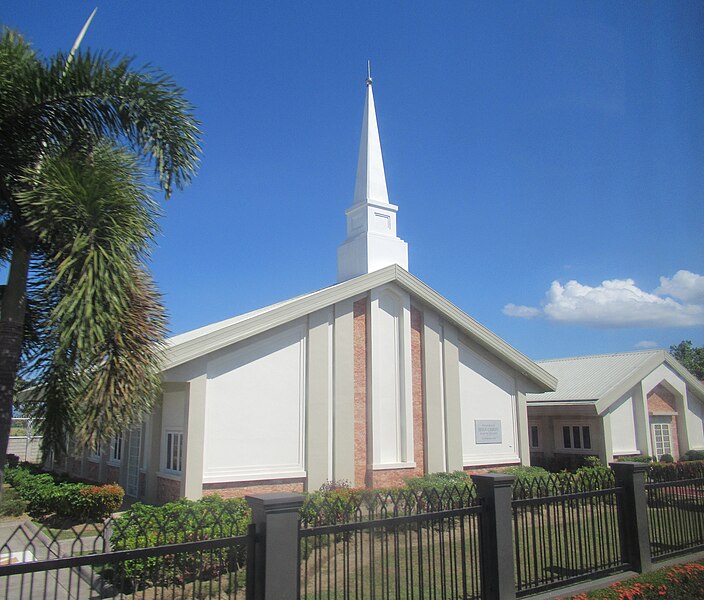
(276, 519)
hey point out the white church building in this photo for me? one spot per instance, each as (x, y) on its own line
(372, 380)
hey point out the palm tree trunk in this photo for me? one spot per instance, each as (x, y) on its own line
(12, 313)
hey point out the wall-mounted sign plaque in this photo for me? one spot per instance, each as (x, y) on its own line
(487, 431)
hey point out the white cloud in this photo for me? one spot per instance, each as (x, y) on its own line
(646, 344)
(524, 312)
(684, 285)
(621, 303)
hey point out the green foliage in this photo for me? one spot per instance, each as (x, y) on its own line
(692, 455)
(77, 139)
(691, 357)
(438, 481)
(661, 471)
(71, 501)
(11, 504)
(523, 473)
(684, 582)
(144, 525)
(667, 458)
(638, 458)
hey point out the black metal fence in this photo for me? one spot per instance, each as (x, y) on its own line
(566, 528)
(494, 538)
(675, 509)
(129, 558)
(401, 544)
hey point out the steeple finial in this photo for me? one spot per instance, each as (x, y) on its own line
(369, 72)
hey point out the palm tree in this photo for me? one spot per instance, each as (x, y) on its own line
(79, 315)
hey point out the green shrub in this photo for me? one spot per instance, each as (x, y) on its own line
(12, 460)
(667, 458)
(675, 471)
(638, 458)
(185, 520)
(69, 501)
(438, 481)
(692, 455)
(12, 504)
(523, 473)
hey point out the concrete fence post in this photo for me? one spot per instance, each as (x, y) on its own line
(631, 477)
(496, 536)
(276, 520)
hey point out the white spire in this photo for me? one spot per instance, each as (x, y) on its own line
(371, 180)
(371, 242)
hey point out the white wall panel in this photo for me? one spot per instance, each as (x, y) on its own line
(487, 392)
(254, 409)
(695, 423)
(623, 428)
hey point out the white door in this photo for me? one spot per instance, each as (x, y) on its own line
(662, 439)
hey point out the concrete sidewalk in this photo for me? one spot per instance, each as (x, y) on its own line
(22, 541)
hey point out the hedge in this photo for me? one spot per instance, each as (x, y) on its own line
(64, 500)
(145, 525)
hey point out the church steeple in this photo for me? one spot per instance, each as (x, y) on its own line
(371, 242)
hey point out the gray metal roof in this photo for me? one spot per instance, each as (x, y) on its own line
(590, 377)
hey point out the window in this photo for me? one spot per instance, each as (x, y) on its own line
(662, 440)
(577, 437)
(534, 438)
(174, 451)
(94, 453)
(116, 449)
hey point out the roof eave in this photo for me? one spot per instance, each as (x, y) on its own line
(215, 340)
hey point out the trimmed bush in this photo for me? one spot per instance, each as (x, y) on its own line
(524, 473)
(69, 501)
(667, 458)
(144, 525)
(692, 455)
(638, 458)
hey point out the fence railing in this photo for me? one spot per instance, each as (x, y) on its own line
(126, 558)
(404, 544)
(676, 510)
(566, 529)
(492, 539)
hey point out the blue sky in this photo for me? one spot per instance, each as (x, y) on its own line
(535, 151)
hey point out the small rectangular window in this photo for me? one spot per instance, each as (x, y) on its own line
(534, 440)
(576, 438)
(174, 451)
(116, 449)
(587, 437)
(95, 452)
(566, 439)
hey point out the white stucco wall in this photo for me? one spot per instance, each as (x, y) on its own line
(254, 426)
(623, 428)
(695, 422)
(487, 392)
